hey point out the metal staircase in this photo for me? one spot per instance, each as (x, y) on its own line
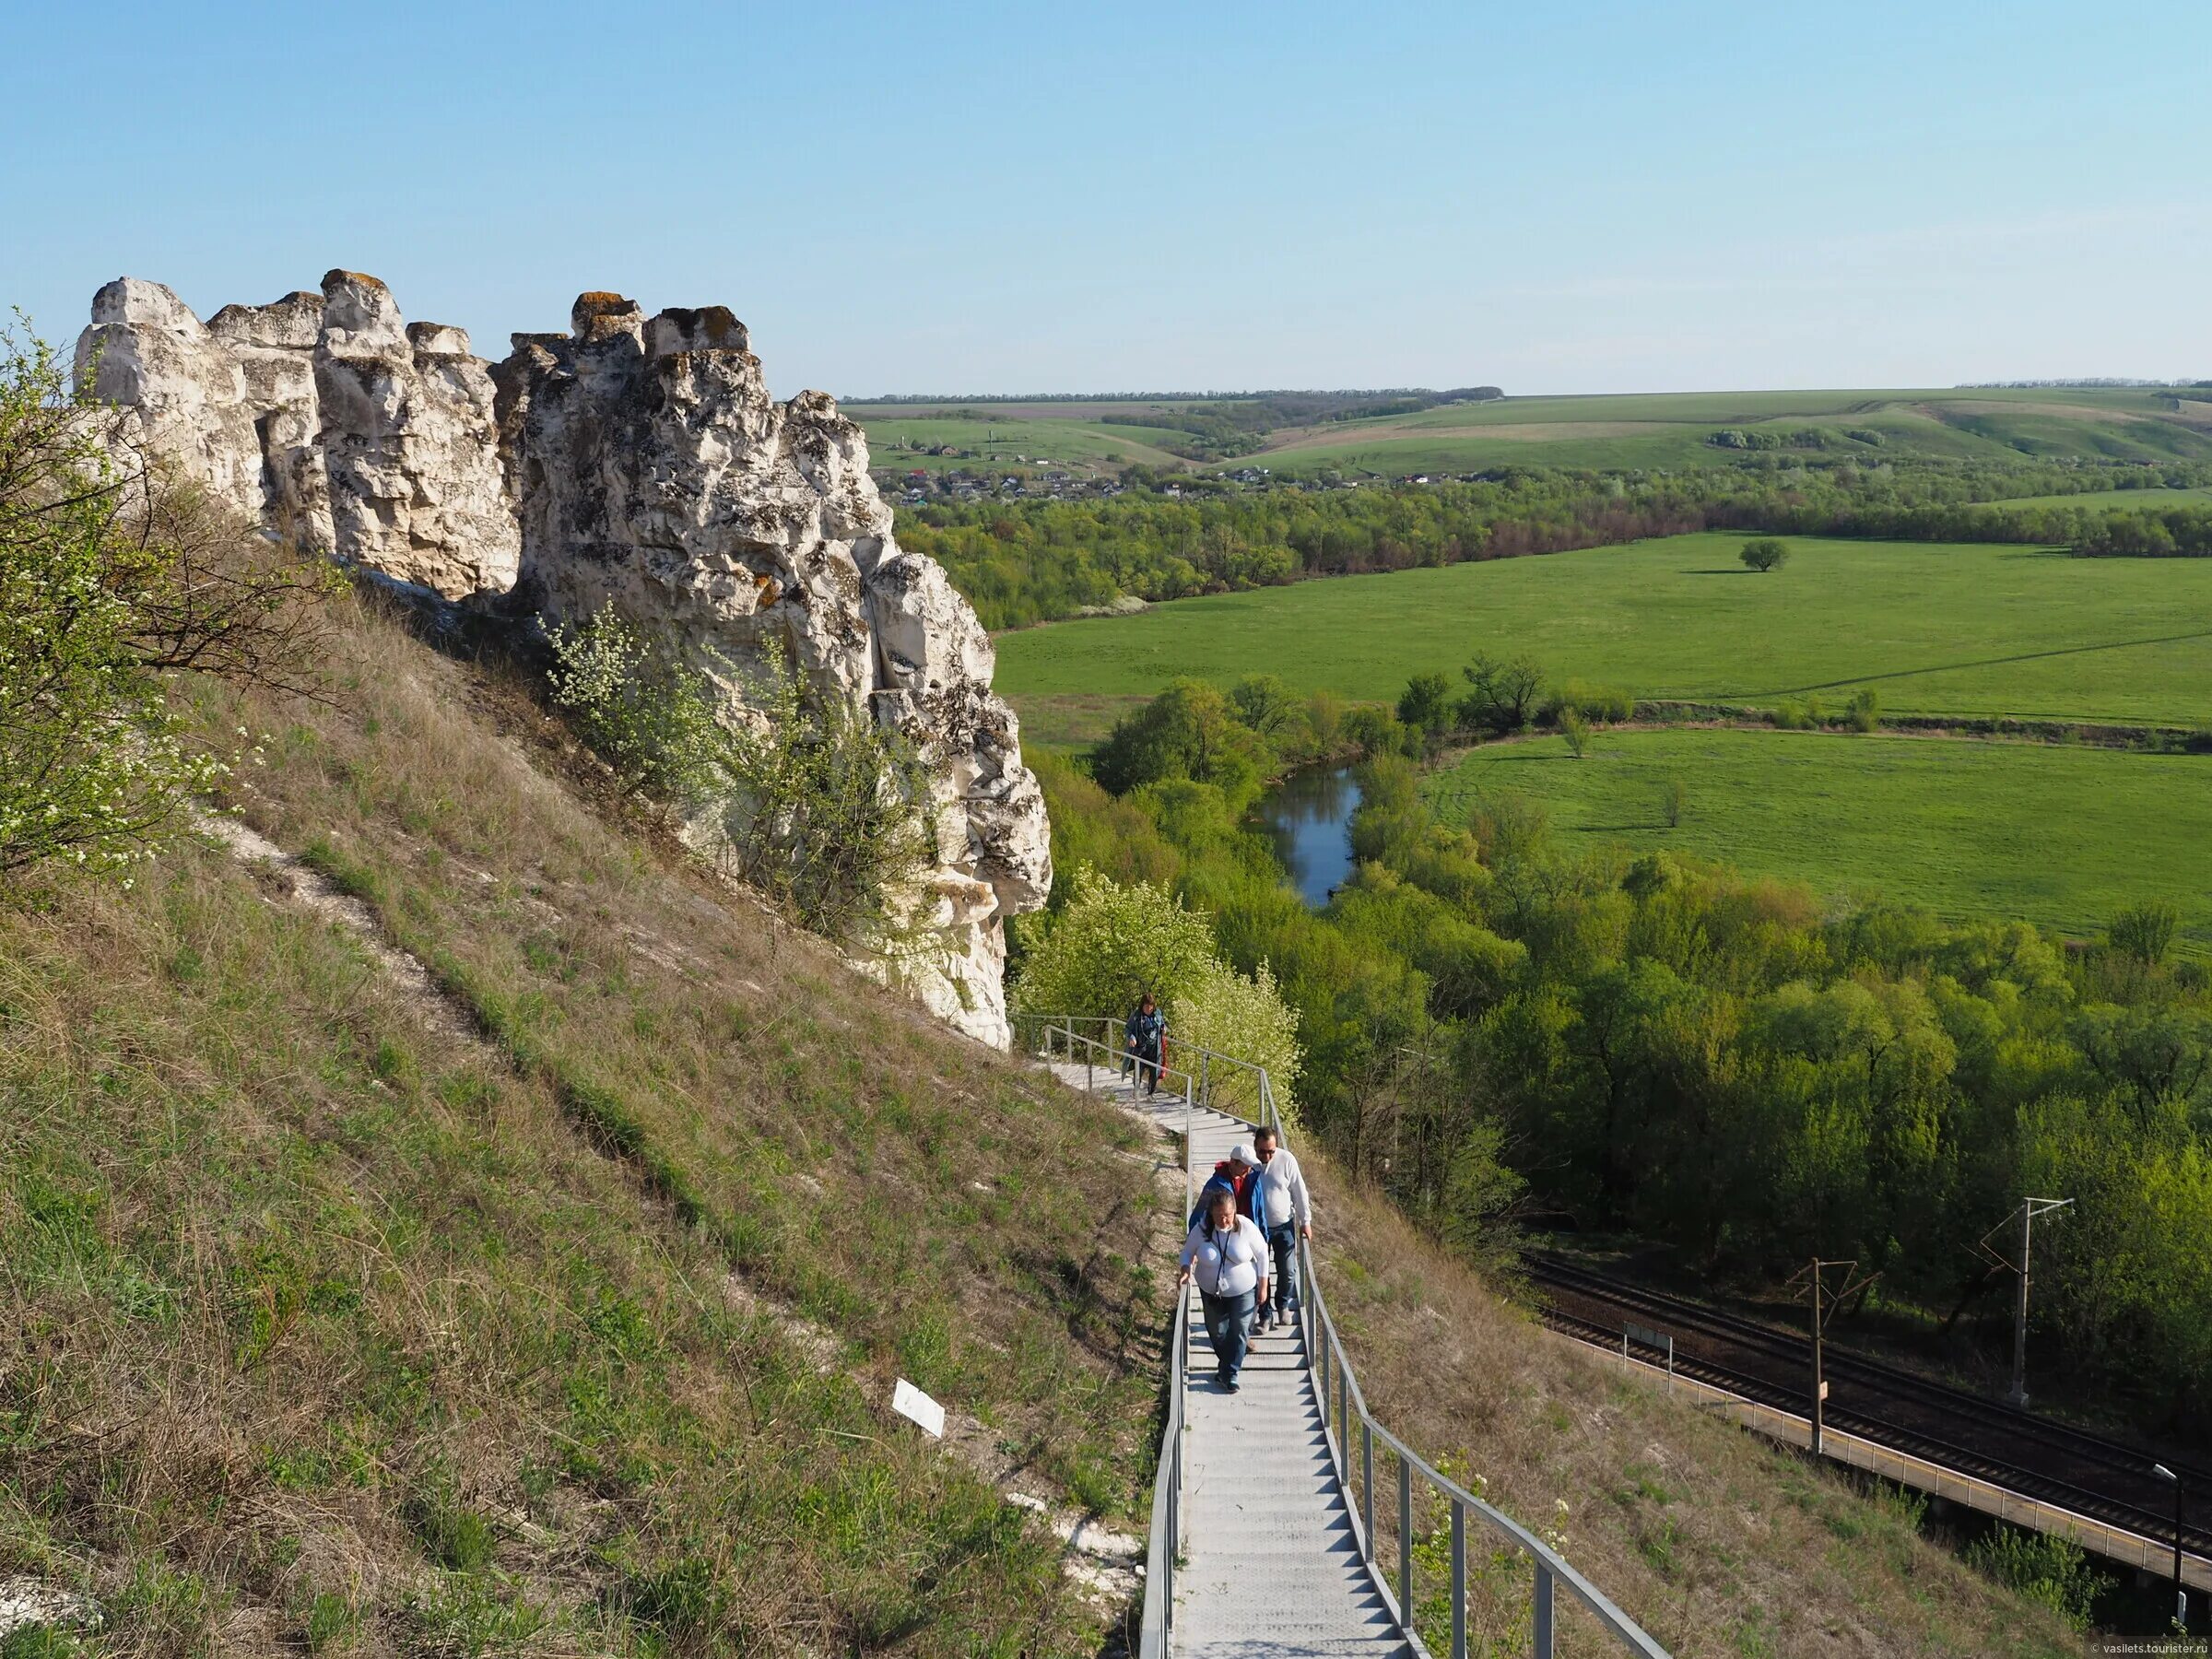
(1264, 1538)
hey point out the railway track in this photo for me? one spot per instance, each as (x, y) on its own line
(2036, 1456)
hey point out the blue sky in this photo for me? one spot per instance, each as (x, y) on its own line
(1552, 197)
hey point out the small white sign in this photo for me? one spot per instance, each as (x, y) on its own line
(910, 1401)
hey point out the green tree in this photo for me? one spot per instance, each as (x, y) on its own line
(2145, 931)
(1576, 730)
(1765, 553)
(1503, 695)
(650, 719)
(1246, 1018)
(1425, 705)
(825, 811)
(112, 576)
(1264, 704)
(1109, 944)
(1191, 731)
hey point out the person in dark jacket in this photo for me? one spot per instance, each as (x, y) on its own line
(1234, 1175)
(1146, 1036)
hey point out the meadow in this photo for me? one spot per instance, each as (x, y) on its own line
(1947, 628)
(2061, 836)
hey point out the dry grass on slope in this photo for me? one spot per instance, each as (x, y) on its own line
(329, 1328)
(1717, 1542)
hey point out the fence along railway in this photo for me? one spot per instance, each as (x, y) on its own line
(1930, 1424)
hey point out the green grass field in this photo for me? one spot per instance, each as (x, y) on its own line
(2062, 837)
(1972, 630)
(2148, 500)
(1625, 430)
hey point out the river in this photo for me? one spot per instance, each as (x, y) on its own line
(1308, 818)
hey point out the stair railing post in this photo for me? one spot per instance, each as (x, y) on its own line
(1344, 1418)
(1367, 1482)
(1406, 1539)
(1543, 1649)
(1320, 1362)
(1459, 1579)
(1206, 1071)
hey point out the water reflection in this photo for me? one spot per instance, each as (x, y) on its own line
(1308, 818)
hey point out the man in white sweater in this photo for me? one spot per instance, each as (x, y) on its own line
(1285, 1212)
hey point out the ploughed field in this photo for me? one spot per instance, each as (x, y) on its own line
(1945, 628)
(2060, 836)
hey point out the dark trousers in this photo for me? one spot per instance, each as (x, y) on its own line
(1283, 1241)
(1147, 1068)
(1229, 1328)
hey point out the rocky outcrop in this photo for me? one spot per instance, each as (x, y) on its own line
(181, 393)
(637, 462)
(275, 345)
(410, 445)
(655, 474)
(327, 418)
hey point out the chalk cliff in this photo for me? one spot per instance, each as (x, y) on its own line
(634, 461)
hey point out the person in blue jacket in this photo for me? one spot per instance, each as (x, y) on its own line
(1237, 1175)
(1146, 1032)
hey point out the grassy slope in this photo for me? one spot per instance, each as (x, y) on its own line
(2061, 837)
(1718, 1543)
(1970, 630)
(329, 1326)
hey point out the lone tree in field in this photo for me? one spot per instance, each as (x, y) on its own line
(1765, 553)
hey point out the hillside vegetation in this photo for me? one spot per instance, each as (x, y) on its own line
(553, 1310)
(1747, 1072)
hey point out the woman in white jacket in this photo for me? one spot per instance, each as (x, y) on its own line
(1228, 1256)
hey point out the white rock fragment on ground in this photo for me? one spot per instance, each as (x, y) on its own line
(27, 1604)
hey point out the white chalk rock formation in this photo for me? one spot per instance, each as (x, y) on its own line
(275, 345)
(182, 396)
(326, 418)
(655, 474)
(635, 461)
(410, 445)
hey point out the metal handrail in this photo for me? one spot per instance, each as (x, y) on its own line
(1333, 1366)
(1162, 1548)
(1350, 1409)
